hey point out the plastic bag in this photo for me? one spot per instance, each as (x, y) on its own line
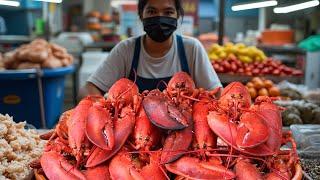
(311, 44)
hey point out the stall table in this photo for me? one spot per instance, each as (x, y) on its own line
(228, 78)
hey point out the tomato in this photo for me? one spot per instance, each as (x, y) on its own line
(233, 67)
(248, 69)
(276, 72)
(255, 71)
(241, 70)
(226, 65)
(297, 73)
(248, 73)
(260, 66)
(216, 66)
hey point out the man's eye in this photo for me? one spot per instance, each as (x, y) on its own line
(169, 12)
(151, 11)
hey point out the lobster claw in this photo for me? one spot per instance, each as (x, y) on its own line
(162, 113)
(177, 143)
(62, 169)
(193, 168)
(252, 131)
(122, 129)
(99, 128)
(220, 125)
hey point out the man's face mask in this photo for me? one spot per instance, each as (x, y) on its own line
(159, 28)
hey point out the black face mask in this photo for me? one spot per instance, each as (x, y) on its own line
(159, 28)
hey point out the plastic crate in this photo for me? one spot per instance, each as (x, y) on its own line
(22, 91)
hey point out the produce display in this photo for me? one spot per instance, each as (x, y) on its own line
(93, 21)
(236, 51)
(18, 147)
(38, 54)
(207, 39)
(250, 61)
(262, 87)
(181, 132)
(299, 112)
(267, 67)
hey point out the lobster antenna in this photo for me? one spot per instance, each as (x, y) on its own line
(162, 81)
(190, 98)
(135, 76)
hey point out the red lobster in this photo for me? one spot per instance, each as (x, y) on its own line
(122, 102)
(255, 130)
(127, 166)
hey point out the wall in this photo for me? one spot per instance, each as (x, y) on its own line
(235, 22)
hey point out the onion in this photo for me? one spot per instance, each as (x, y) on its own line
(274, 91)
(268, 83)
(263, 92)
(253, 92)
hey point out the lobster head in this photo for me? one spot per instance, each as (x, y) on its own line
(123, 89)
(235, 93)
(181, 80)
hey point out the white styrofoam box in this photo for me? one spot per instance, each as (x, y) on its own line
(90, 63)
(312, 73)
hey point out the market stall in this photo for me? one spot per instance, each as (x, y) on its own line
(126, 115)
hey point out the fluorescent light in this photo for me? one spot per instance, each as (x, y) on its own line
(254, 5)
(51, 1)
(117, 3)
(296, 7)
(9, 3)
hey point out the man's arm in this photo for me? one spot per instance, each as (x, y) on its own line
(89, 89)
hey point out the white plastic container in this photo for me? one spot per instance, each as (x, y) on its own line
(312, 73)
(91, 62)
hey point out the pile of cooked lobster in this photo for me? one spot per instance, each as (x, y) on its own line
(182, 132)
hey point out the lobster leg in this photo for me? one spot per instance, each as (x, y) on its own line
(99, 128)
(252, 131)
(56, 167)
(123, 127)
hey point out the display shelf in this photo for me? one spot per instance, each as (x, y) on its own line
(105, 46)
(15, 39)
(281, 49)
(228, 78)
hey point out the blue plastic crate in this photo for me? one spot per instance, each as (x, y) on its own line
(20, 98)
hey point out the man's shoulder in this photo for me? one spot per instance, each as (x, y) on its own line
(190, 41)
(128, 43)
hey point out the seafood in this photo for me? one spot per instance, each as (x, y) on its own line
(173, 133)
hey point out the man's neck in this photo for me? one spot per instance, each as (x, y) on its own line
(155, 49)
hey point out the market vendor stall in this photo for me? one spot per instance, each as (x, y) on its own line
(161, 89)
